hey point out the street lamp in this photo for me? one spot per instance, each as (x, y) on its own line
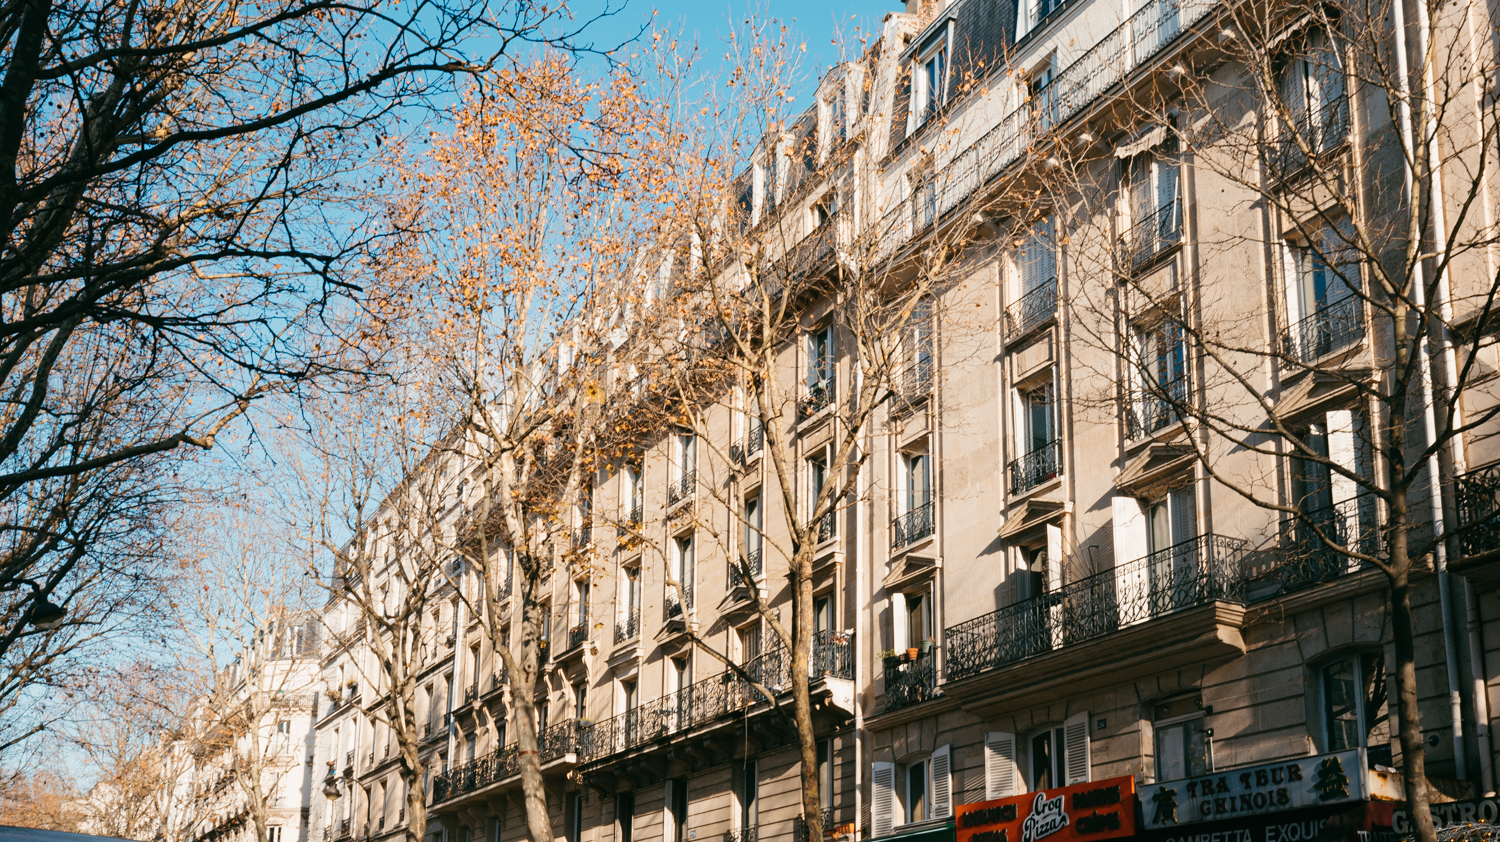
(45, 615)
(331, 789)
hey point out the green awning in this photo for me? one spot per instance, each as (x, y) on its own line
(926, 833)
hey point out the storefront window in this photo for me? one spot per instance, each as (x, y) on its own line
(1355, 711)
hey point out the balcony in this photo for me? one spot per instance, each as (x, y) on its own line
(634, 518)
(583, 536)
(471, 693)
(827, 527)
(1155, 408)
(820, 394)
(556, 743)
(912, 526)
(1109, 61)
(577, 635)
(908, 682)
(1477, 498)
(1319, 132)
(1036, 467)
(751, 567)
(1151, 237)
(1306, 559)
(741, 834)
(674, 605)
(1333, 326)
(1204, 570)
(750, 446)
(915, 382)
(711, 699)
(1034, 309)
(629, 626)
(680, 490)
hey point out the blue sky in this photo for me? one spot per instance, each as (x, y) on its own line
(814, 22)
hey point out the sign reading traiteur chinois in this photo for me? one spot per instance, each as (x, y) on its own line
(1272, 788)
(1078, 813)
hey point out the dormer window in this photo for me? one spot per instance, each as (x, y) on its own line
(930, 81)
(835, 122)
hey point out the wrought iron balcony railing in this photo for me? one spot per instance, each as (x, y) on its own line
(471, 693)
(741, 834)
(507, 585)
(1318, 132)
(827, 527)
(557, 741)
(820, 393)
(681, 489)
(1155, 408)
(1036, 467)
(751, 445)
(500, 677)
(1032, 310)
(583, 536)
(915, 382)
(909, 682)
(635, 514)
(674, 605)
(912, 526)
(577, 635)
(1331, 327)
(1186, 575)
(712, 698)
(1477, 494)
(1143, 241)
(629, 626)
(751, 565)
(1305, 557)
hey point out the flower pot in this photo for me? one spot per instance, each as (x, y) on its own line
(911, 653)
(925, 647)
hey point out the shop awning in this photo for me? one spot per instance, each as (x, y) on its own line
(925, 833)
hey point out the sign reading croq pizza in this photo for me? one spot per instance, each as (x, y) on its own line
(1078, 813)
(1273, 788)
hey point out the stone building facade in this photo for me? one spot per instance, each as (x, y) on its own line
(1047, 578)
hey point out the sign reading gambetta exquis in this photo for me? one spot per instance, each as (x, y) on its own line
(1275, 787)
(1078, 813)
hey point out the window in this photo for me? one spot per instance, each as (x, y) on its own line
(1041, 101)
(581, 701)
(749, 644)
(1323, 303)
(1330, 502)
(1046, 769)
(581, 594)
(915, 796)
(835, 126)
(1355, 711)
(918, 618)
(924, 210)
(918, 339)
(817, 478)
(1312, 92)
(632, 591)
(930, 82)
(771, 175)
(917, 476)
(753, 536)
(635, 491)
(687, 453)
(1161, 385)
(677, 810)
(273, 833)
(1183, 745)
(749, 796)
(474, 669)
(1155, 213)
(1038, 422)
(624, 816)
(1171, 527)
(682, 573)
(573, 817)
(825, 774)
(822, 615)
(820, 359)
(471, 748)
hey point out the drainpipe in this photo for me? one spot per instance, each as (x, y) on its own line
(862, 542)
(1419, 294)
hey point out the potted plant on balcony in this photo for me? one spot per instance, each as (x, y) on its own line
(886, 656)
(925, 647)
(911, 653)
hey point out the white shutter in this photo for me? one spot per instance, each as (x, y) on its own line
(999, 764)
(942, 783)
(1076, 748)
(898, 622)
(1054, 557)
(1129, 529)
(883, 798)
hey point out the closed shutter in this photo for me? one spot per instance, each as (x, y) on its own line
(883, 799)
(1076, 748)
(942, 783)
(999, 764)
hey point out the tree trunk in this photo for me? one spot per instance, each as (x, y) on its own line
(1413, 750)
(533, 792)
(802, 633)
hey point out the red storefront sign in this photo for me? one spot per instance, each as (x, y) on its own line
(1079, 813)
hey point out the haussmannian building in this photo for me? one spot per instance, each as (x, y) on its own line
(1042, 593)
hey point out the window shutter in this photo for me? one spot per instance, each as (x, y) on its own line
(999, 764)
(1076, 748)
(883, 799)
(942, 783)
